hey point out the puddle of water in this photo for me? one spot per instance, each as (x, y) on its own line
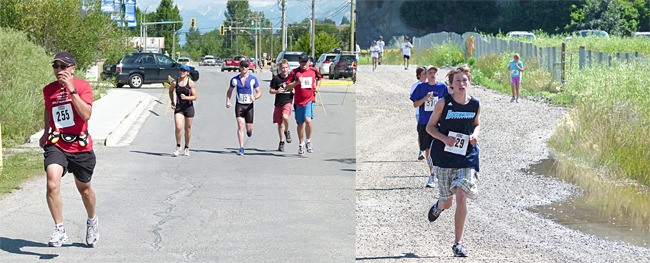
(580, 214)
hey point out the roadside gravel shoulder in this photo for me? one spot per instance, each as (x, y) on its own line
(392, 202)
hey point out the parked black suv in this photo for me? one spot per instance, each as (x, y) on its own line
(342, 66)
(144, 68)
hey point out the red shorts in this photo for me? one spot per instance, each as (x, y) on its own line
(279, 111)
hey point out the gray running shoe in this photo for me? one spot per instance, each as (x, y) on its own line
(435, 212)
(58, 238)
(421, 155)
(432, 182)
(309, 149)
(92, 233)
(287, 134)
(281, 147)
(459, 250)
(301, 150)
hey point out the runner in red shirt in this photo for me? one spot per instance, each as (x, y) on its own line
(67, 145)
(305, 81)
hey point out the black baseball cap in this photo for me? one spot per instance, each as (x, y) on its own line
(65, 57)
(243, 63)
(303, 58)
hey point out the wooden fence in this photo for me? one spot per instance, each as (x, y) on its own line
(554, 59)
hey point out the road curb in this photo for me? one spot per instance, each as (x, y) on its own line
(115, 136)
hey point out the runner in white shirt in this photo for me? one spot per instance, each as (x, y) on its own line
(374, 54)
(406, 52)
(381, 45)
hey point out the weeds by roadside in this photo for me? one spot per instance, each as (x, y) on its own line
(19, 166)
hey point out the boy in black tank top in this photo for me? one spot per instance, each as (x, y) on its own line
(454, 152)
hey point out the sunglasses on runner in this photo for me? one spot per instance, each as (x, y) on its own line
(61, 66)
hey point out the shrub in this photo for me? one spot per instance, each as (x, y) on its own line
(25, 71)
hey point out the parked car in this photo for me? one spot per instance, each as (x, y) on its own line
(218, 61)
(292, 56)
(323, 63)
(342, 66)
(588, 33)
(641, 34)
(183, 60)
(521, 34)
(233, 64)
(141, 68)
(208, 60)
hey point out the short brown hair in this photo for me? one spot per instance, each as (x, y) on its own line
(464, 68)
(418, 72)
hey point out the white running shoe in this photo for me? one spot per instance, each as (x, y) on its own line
(176, 152)
(58, 238)
(92, 233)
(187, 151)
(432, 182)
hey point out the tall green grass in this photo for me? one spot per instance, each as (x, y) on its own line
(24, 72)
(492, 72)
(609, 125)
(613, 44)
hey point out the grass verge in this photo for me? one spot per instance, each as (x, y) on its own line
(19, 166)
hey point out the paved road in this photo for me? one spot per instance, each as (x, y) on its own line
(213, 206)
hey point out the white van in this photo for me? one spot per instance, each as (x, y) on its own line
(521, 34)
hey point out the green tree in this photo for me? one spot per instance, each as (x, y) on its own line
(167, 11)
(324, 43)
(60, 25)
(237, 15)
(618, 17)
(345, 21)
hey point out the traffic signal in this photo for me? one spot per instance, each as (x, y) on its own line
(193, 23)
(222, 30)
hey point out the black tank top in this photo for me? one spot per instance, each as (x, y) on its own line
(457, 118)
(183, 90)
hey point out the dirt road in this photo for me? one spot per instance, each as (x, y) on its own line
(392, 202)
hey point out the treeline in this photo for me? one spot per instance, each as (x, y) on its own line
(618, 17)
(242, 41)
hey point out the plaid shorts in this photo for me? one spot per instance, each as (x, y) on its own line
(448, 178)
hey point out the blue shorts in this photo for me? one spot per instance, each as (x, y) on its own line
(304, 112)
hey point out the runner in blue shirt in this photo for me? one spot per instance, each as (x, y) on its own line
(245, 84)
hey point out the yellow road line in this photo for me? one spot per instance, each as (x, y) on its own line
(336, 83)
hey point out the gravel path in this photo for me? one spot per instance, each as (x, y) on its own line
(392, 202)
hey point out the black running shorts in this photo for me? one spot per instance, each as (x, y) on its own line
(424, 138)
(244, 111)
(80, 164)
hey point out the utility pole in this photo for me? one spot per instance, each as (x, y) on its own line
(352, 29)
(284, 26)
(313, 26)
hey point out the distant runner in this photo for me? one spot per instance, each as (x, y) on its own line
(248, 91)
(305, 82)
(283, 101)
(182, 94)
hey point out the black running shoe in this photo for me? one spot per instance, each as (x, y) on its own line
(434, 212)
(459, 250)
(287, 134)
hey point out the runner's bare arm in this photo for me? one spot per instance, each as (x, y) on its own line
(432, 125)
(421, 101)
(258, 94)
(193, 88)
(228, 94)
(172, 87)
(47, 115)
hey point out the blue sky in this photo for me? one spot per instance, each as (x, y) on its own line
(210, 13)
